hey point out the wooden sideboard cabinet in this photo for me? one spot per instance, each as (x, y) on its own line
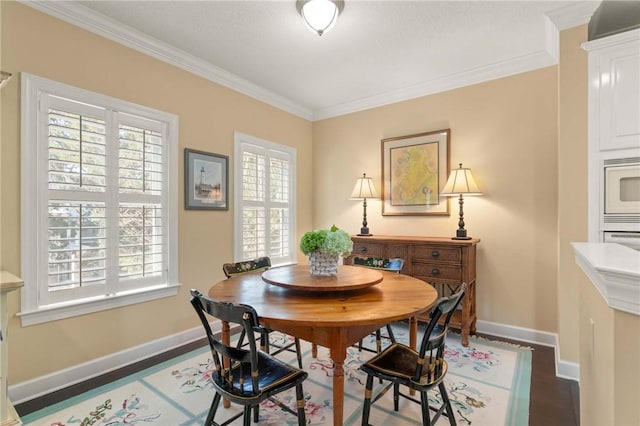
(443, 262)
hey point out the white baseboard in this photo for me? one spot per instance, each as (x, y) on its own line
(43, 385)
(568, 370)
(564, 369)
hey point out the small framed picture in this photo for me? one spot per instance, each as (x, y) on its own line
(414, 169)
(206, 181)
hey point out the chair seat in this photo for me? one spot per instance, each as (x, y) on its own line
(273, 376)
(398, 363)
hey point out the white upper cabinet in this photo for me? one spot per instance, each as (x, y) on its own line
(614, 92)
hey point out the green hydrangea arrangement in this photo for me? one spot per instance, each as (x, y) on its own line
(333, 241)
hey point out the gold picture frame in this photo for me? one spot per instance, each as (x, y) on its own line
(414, 170)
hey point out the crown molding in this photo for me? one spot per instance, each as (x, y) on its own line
(106, 27)
(449, 82)
(612, 40)
(83, 17)
(572, 15)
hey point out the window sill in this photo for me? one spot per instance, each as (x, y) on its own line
(88, 306)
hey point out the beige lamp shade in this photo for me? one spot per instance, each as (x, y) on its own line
(460, 182)
(364, 188)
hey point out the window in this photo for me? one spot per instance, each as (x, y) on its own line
(264, 200)
(99, 207)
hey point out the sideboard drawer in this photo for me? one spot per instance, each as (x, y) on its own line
(369, 250)
(439, 253)
(437, 271)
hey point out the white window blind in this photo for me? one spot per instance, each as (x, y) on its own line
(265, 208)
(98, 198)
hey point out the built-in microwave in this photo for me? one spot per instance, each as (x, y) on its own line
(621, 207)
(622, 189)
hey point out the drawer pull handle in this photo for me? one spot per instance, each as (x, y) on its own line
(363, 249)
(435, 271)
(435, 253)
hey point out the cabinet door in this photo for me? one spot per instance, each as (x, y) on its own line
(619, 80)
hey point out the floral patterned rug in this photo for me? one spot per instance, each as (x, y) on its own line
(488, 383)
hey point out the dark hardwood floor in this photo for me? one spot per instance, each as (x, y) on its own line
(554, 401)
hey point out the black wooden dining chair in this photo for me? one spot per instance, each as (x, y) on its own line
(237, 268)
(254, 265)
(252, 375)
(394, 265)
(417, 370)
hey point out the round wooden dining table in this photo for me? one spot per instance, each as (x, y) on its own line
(307, 307)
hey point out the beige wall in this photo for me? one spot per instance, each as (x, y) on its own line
(596, 358)
(506, 132)
(626, 378)
(605, 342)
(1, 139)
(609, 368)
(572, 182)
(209, 114)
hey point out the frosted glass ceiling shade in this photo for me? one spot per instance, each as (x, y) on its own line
(320, 15)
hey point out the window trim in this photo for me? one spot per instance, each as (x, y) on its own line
(32, 89)
(239, 140)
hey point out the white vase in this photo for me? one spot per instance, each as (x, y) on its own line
(323, 263)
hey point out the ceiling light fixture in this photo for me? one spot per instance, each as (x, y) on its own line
(320, 15)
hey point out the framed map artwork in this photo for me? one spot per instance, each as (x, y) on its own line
(414, 170)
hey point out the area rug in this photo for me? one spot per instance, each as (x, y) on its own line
(488, 383)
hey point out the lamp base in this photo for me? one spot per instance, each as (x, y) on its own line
(364, 231)
(461, 234)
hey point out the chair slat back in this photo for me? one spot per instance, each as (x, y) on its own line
(431, 354)
(231, 269)
(241, 360)
(394, 264)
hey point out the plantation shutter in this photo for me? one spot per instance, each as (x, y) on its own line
(265, 203)
(105, 195)
(140, 182)
(279, 232)
(254, 223)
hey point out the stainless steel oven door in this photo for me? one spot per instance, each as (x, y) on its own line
(622, 189)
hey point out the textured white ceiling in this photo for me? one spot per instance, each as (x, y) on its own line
(378, 52)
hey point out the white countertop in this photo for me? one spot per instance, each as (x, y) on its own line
(614, 270)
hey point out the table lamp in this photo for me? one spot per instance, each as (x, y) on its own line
(364, 189)
(460, 183)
